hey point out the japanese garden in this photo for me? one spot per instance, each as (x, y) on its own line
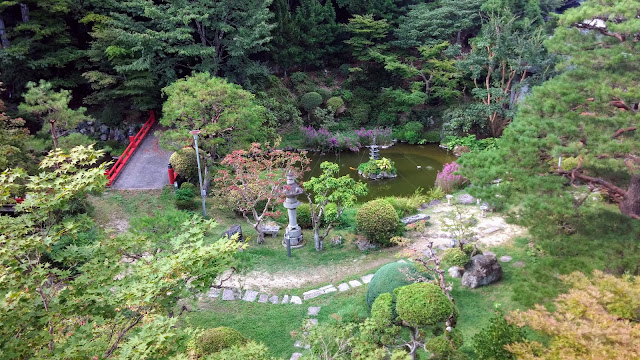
(320, 179)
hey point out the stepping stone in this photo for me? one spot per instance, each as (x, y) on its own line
(295, 356)
(313, 321)
(296, 300)
(328, 289)
(313, 310)
(343, 287)
(273, 299)
(489, 254)
(250, 296)
(367, 278)
(506, 258)
(298, 344)
(214, 293)
(285, 299)
(491, 230)
(263, 298)
(312, 294)
(355, 283)
(228, 294)
(519, 264)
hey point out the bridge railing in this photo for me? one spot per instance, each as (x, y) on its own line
(134, 142)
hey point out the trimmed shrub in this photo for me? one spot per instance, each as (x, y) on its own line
(412, 131)
(216, 339)
(378, 221)
(335, 103)
(490, 341)
(441, 346)
(184, 199)
(304, 216)
(390, 277)
(423, 304)
(326, 94)
(310, 100)
(184, 162)
(250, 351)
(187, 185)
(455, 257)
(431, 137)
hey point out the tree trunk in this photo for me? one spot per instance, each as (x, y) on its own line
(316, 238)
(24, 11)
(631, 204)
(54, 134)
(260, 238)
(4, 40)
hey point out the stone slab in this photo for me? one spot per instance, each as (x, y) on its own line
(367, 278)
(214, 293)
(343, 287)
(491, 230)
(228, 294)
(313, 310)
(263, 298)
(415, 218)
(505, 258)
(273, 299)
(355, 283)
(250, 296)
(313, 322)
(329, 289)
(285, 299)
(299, 344)
(312, 294)
(295, 356)
(296, 300)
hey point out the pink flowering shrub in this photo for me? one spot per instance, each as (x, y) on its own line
(448, 180)
(325, 140)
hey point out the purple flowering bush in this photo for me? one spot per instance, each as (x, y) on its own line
(448, 180)
(325, 140)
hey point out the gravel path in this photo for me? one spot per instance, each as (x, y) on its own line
(147, 168)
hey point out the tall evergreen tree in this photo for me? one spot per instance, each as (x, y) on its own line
(588, 116)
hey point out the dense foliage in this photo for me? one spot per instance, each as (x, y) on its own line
(388, 278)
(378, 221)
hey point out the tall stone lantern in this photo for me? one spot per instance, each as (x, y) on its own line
(293, 233)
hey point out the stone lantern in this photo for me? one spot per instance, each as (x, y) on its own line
(374, 152)
(293, 233)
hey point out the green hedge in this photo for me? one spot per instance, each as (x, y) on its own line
(390, 277)
(185, 164)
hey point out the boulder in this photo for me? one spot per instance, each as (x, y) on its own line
(455, 271)
(466, 199)
(414, 218)
(234, 229)
(104, 129)
(481, 270)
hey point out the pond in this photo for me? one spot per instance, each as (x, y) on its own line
(431, 159)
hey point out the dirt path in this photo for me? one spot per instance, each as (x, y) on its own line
(147, 168)
(490, 231)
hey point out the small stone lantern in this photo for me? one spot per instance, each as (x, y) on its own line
(449, 197)
(293, 233)
(374, 152)
(484, 209)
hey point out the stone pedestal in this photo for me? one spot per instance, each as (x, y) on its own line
(293, 232)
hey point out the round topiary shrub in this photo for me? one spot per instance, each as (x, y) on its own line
(184, 162)
(326, 94)
(216, 339)
(432, 137)
(390, 277)
(423, 304)
(335, 103)
(378, 221)
(310, 100)
(187, 185)
(304, 216)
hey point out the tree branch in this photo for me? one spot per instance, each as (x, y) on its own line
(623, 130)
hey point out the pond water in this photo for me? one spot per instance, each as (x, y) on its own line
(431, 159)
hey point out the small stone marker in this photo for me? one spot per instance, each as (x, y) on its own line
(214, 293)
(355, 283)
(296, 300)
(250, 296)
(505, 258)
(273, 299)
(295, 356)
(367, 278)
(263, 298)
(285, 299)
(343, 287)
(313, 310)
(228, 294)
(312, 294)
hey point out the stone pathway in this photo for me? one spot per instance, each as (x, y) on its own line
(230, 294)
